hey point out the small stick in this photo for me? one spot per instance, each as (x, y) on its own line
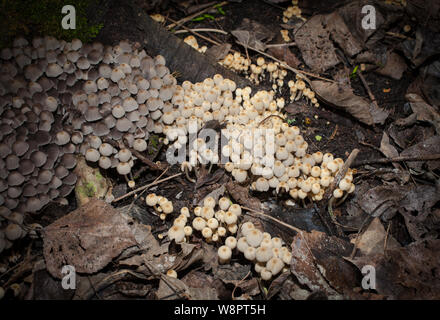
(428, 157)
(240, 282)
(341, 173)
(273, 219)
(145, 187)
(198, 34)
(277, 45)
(145, 160)
(201, 30)
(268, 117)
(356, 243)
(192, 16)
(385, 243)
(367, 87)
(140, 194)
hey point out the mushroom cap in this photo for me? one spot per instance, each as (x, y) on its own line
(68, 160)
(140, 145)
(15, 178)
(53, 70)
(33, 204)
(123, 168)
(32, 72)
(38, 158)
(45, 176)
(62, 138)
(123, 124)
(124, 155)
(61, 172)
(13, 232)
(92, 114)
(129, 104)
(26, 167)
(105, 162)
(106, 149)
(92, 155)
(100, 129)
(12, 162)
(56, 182)
(83, 63)
(70, 179)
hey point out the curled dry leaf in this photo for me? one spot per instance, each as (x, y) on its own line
(425, 147)
(343, 97)
(421, 112)
(87, 238)
(317, 263)
(405, 273)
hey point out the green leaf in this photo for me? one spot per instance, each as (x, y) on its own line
(318, 138)
(201, 18)
(220, 9)
(353, 73)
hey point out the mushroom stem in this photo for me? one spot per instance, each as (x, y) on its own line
(210, 167)
(342, 200)
(188, 177)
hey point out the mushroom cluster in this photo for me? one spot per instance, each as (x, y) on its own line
(269, 254)
(292, 11)
(298, 89)
(192, 42)
(37, 153)
(114, 107)
(236, 62)
(161, 204)
(214, 220)
(261, 148)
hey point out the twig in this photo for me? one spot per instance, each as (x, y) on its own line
(329, 193)
(201, 30)
(155, 180)
(268, 117)
(192, 16)
(273, 219)
(277, 45)
(341, 173)
(385, 243)
(145, 160)
(145, 187)
(198, 34)
(367, 87)
(428, 157)
(239, 282)
(356, 242)
(296, 71)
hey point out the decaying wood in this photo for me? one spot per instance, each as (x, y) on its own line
(180, 57)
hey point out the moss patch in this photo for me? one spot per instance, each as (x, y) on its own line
(31, 18)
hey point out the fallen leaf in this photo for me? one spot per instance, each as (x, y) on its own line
(87, 238)
(372, 240)
(343, 97)
(317, 50)
(421, 112)
(426, 147)
(406, 273)
(317, 263)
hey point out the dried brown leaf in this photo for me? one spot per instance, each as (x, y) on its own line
(87, 238)
(344, 98)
